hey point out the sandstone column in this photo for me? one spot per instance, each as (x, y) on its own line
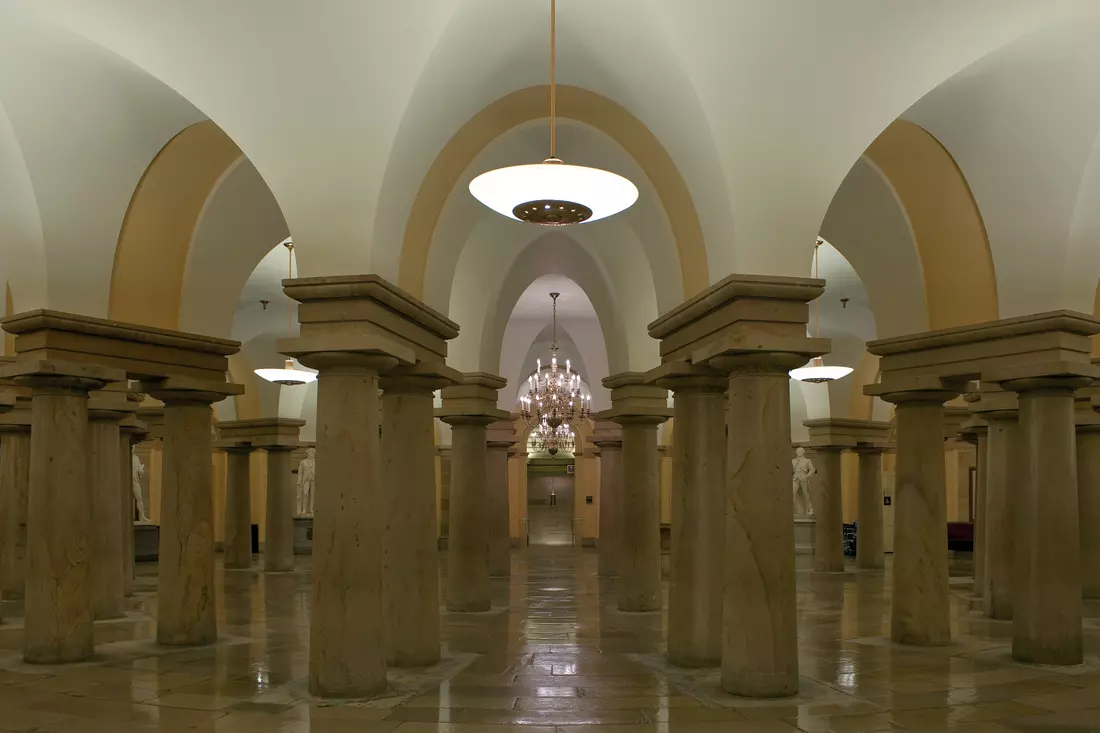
(608, 438)
(281, 495)
(828, 510)
(468, 408)
(15, 458)
(920, 613)
(698, 512)
(499, 439)
(186, 589)
(58, 607)
(975, 432)
(1002, 494)
(1047, 613)
(411, 546)
(107, 563)
(870, 550)
(1088, 497)
(131, 432)
(639, 408)
(237, 547)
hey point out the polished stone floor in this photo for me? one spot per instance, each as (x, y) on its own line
(552, 654)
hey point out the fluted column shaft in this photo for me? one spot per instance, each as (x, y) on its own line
(500, 540)
(828, 511)
(870, 549)
(1002, 494)
(760, 639)
(106, 538)
(920, 613)
(609, 543)
(281, 495)
(1088, 491)
(411, 552)
(237, 547)
(468, 545)
(698, 530)
(1047, 613)
(15, 460)
(347, 644)
(639, 563)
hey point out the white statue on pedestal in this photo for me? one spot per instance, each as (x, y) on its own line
(306, 472)
(135, 485)
(803, 469)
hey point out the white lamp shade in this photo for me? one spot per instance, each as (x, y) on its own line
(818, 373)
(288, 376)
(503, 189)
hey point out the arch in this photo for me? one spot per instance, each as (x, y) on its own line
(956, 261)
(576, 104)
(153, 244)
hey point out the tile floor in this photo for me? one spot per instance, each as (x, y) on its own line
(552, 655)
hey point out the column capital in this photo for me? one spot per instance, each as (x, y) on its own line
(45, 374)
(635, 400)
(176, 390)
(473, 401)
(607, 435)
(916, 396)
(501, 435)
(113, 402)
(1051, 384)
(683, 376)
(421, 378)
(842, 433)
(266, 433)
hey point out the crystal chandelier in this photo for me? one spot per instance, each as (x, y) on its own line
(817, 372)
(552, 193)
(288, 376)
(553, 440)
(554, 394)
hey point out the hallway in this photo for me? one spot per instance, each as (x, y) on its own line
(552, 652)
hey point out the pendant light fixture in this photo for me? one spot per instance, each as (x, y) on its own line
(552, 193)
(554, 394)
(288, 376)
(817, 372)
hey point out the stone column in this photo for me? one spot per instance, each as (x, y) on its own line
(698, 512)
(870, 551)
(411, 547)
(828, 510)
(468, 408)
(1047, 613)
(237, 547)
(131, 432)
(1088, 498)
(639, 408)
(1002, 493)
(281, 495)
(920, 614)
(499, 439)
(15, 458)
(608, 439)
(760, 639)
(59, 600)
(185, 591)
(976, 432)
(107, 564)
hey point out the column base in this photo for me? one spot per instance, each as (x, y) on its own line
(749, 684)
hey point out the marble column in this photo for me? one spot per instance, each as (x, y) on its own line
(828, 510)
(281, 500)
(639, 564)
(760, 638)
(185, 591)
(131, 432)
(920, 613)
(237, 547)
(15, 458)
(411, 550)
(870, 549)
(609, 441)
(698, 529)
(107, 564)
(496, 475)
(58, 603)
(347, 647)
(1088, 493)
(1002, 493)
(1047, 612)
(468, 545)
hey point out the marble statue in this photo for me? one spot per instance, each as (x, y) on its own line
(135, 486)
(802, 469)
(306, 471)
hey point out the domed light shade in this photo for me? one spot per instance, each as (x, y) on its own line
(289, 376)
(817, 372)
(552, 193)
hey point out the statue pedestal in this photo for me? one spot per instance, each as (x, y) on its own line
(805, 534)
(146, 542)
(303, 535)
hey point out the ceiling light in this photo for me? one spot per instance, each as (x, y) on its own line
(817, 372)
(552, 193)
(288, 376)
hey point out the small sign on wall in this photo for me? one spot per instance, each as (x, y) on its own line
(570, 468)
(887, 500)
(588, 500)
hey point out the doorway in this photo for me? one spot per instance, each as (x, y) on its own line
(550, 507)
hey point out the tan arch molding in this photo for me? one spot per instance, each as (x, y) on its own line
(959, 279)
(576, 104)
(151, 255)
